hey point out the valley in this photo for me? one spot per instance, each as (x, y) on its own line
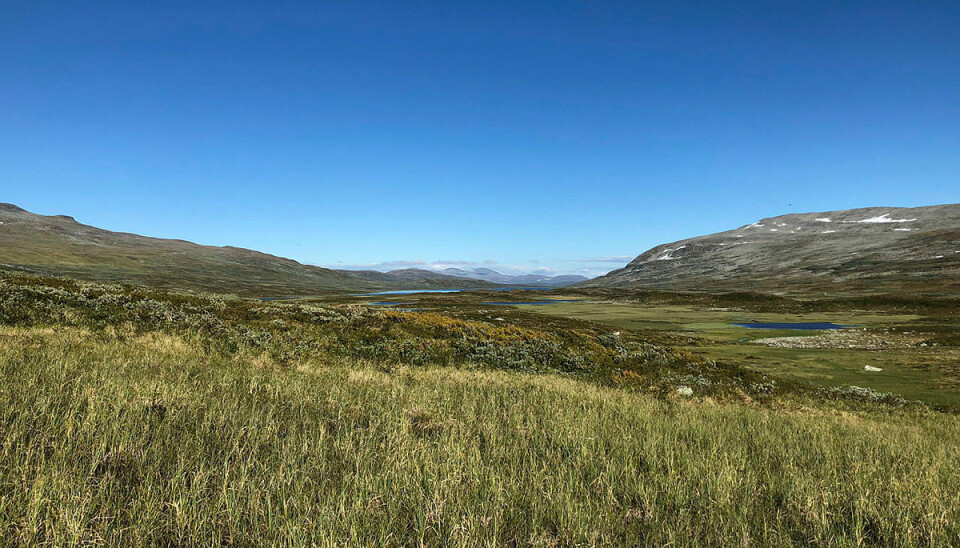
(182, 394)
(186, 418)
(916, 346)
(526, 274)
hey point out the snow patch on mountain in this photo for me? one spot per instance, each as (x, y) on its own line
(885, 218)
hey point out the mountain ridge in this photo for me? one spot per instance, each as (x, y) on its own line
(866, 250)
(491, 275)
(60, 245)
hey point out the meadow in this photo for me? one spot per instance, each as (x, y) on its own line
(131, 417)
(917, 360)
(916, 342)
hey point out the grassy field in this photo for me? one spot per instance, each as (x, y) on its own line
(133, 418)
(916, 343)
(928, 373)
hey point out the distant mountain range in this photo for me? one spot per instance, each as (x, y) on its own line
(531, 280)
(59, 245)
(871, 250)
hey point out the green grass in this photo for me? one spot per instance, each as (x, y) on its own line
(916, 375)
(711, 322)
(131, 417)
(153, 440)
(290, 333)
(928, 374)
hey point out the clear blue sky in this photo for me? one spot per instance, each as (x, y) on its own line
(526, 134)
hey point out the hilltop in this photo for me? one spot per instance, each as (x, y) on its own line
(869, 250)
(59, 245)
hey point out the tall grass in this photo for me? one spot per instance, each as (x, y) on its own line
(292, 333)
(153, 438)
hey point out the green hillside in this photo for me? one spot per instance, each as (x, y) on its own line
(59, 245)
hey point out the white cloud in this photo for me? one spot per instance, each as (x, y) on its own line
(614, 259)
(385, 265)
(456, 263)
(401, 264)
(533, 266)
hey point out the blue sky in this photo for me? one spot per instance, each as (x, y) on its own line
(562, 136)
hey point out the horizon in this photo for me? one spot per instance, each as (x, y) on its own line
(553, 138)
(491, 265)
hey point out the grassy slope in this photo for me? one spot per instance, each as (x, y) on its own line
(60, 245)
(151, 440)
(147, 418)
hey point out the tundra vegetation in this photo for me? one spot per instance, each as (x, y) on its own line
(141, 417)
(914, 340)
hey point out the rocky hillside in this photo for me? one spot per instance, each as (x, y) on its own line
(871, 250)
(59, 245)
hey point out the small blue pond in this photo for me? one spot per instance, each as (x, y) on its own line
(392, 303)
(800, 325)
(545, 301)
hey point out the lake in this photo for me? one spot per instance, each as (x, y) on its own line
(544, 301)
(797, 325)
